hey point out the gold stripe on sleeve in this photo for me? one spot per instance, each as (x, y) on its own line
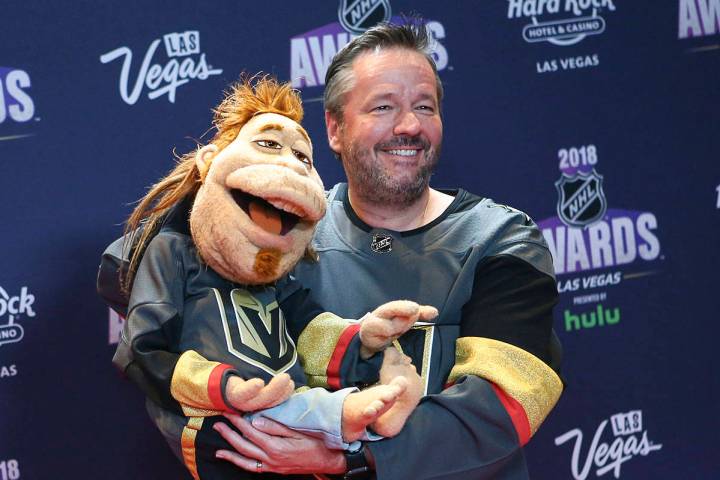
(317, 344)
(518, 373)
(187, 441)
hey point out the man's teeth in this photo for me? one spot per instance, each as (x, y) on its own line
(403, 153)
(288, 207)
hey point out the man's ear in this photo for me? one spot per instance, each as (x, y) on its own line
(203, 159)
(333, 132)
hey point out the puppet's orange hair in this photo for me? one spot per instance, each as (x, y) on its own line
(245, 100)
(248, 97)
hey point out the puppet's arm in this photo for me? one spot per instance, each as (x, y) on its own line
(204, 388)
(503, 388)
(388, 322)
(186, 382)
(330, 347)
(148, 351)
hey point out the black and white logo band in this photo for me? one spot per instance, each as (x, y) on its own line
(356, 16)
(255, 330)
(581, 200)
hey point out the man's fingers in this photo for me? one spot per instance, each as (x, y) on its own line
(273, 428)
(294, 453)
(237, 459)
(237, 420)
(254, 436)
(243, 446)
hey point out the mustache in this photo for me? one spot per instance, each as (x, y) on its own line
(405, 141)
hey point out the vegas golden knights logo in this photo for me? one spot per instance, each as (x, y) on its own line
(255, 330)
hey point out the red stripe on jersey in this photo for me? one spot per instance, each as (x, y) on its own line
(214, 386)
(517, 414)
(333, 368)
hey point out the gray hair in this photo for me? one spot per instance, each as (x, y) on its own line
(339, 78)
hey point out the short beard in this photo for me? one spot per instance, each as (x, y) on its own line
(372, 183)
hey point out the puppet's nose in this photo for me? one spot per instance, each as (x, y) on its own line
(291, 161)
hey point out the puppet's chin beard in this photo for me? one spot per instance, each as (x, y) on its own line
(236, 258)
(267, 264)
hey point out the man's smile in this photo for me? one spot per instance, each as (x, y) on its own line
(408, 148)
(403, 152)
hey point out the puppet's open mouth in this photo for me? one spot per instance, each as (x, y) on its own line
(265, 215)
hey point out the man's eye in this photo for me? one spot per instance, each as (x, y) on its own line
(269, 144)
(382, 108)
(302, 157)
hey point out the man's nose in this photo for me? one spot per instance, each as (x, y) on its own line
(407, 124)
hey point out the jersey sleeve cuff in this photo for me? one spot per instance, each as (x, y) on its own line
(198, 384)
(526, 386)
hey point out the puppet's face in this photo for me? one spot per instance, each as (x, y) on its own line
(256, 211)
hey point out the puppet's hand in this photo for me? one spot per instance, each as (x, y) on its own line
(253, 394)
(388, 322)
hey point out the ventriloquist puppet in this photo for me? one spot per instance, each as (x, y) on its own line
(214, 321)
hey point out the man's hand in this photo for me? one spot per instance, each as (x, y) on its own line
(280, 449)
(253, 394)
(388, 322)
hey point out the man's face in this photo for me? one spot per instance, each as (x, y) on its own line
(390, 134)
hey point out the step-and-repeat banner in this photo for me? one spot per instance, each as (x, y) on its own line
(599, 118)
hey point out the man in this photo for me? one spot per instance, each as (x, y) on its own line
(487, 360)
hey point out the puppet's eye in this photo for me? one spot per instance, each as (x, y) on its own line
(302, 157)
(269, 144)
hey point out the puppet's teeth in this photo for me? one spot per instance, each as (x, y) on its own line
(288, 207)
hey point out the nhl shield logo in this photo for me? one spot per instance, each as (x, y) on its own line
(381, 243)
(356, 16)
(581, 198)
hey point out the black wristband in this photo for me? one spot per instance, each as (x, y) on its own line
(357, 465)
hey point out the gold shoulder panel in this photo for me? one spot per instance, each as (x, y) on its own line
(520, 374)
